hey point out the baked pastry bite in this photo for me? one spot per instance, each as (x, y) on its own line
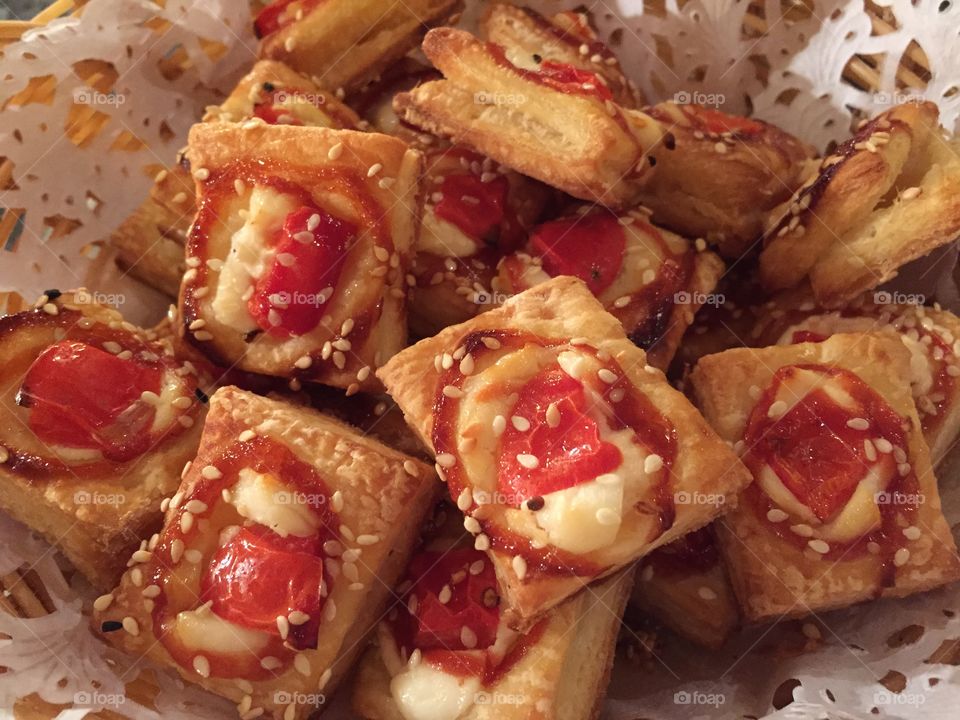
(888, 195)
(564, 39)
(298, 256)
(845, 506)
(684, 587)
(344, 44)
(445, 651)
(279, 95)
(150, 242)
(558, 124)
(98, 419)
(651, 280)
(562, 447)
(474, 214)
(276, 556)
(722, 175)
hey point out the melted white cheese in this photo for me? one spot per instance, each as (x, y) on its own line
(171, 387)
(584, 517)
(265, 500)
(203, 631)
(249, 256)
(442, 238)
(426, 693)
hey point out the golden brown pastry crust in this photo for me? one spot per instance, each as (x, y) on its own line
(383, 175)
(564, 308)
(96, 514)
(773, 578)
(562, 676)
(888, 195)
(344, 44)
(578, 143)
(662, 282)
(693, 599)
(721, 175)
(566, 37)
(385, 495)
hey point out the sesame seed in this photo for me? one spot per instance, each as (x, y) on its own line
(446, 460)
(811, 631)
(270, 663)
(176, 550)
(141, 556)
(239, 187)
(302, 664)
(858, 423)
(490, 343)
(777, 409)
(247, 435)
(499, 425)
(103, 602)
(201, 174)
(337, 501)
(476, 567)
(467, 365)
(451, 391)
(204, 336)
(193, 556)
(472, 525)
(131, 625)
(802, 530)
(297, 617)
(652, 463)
(411, 468)
(883, 445)
(776, 515)
(912, 532)
(530, 462)
(180, 197)
(910, 193)
(873, 548)
(706, 593)
(336, 151)
(468, 637)
(197, 507)
(606, 516)
(374, 169)
(607, 376)
(481, 542)
(186, 521)
(520, 423)
(201, 665)
(519, 566)
(901, 557)
(622, 302)
(819, 546)
(211, 473)
(465, 499)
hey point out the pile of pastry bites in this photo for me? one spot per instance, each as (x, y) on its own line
(275, 490)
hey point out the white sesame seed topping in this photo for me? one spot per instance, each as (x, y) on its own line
(706, 593)
(901, 557)
(652, 464)
(520, 423)
(131, 625)
(211, 473)
(776, 515)
(802, 530)
(103, 602)
(201, 665)
(519, 566)
(607, 376)
(858, 423)
(530, 462)
(819, 546)
(499, 425)
(446, 460)
(336, 151)
(777, 409)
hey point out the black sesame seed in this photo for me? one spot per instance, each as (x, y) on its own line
(535, 503)
(52, 294)
(537, 58)
(669, 141)
(269, 87)
(201, 396)
(110, 626)
(652, 160)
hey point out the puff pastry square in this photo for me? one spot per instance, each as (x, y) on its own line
(684, 587)
(650, 279)
(428, 662)
(567, 38)
(930, 334)
(97, 420)
(888, 195)
(297, 258)
(721, 175)
(497, 399)
(553, 122)
(844, 507)
(344, 44)
(474, 214)
(150, 242)
(277, 553)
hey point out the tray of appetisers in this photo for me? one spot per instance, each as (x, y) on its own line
(445, 390)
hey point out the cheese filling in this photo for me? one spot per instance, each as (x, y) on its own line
(205, 632)
(263, 499)
(249, 257)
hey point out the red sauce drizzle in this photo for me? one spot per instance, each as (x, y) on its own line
(633, 411)
(254, 575)
(280, 13)
(821, 460)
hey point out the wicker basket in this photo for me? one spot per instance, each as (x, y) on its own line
(24, 596)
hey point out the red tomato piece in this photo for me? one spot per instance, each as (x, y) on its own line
(473, 602)
(589, 247)
(717, 122)
(569, 79)
(279, 14)
(259, 575)
(569, 454)
(286, 299)
(83, 397)
(476, 208)
(271, 114)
